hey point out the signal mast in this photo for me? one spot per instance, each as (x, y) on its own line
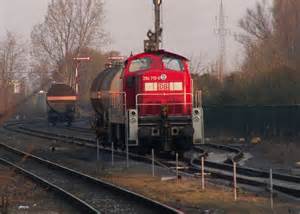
(154, 38)
(78, 60)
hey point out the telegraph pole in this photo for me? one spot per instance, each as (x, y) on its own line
(154, 38)
(222, 33)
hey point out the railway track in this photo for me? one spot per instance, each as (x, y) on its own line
(190, 166)
(89, 194)
(233, 154)
(286, 184)
(282, 183)
(72, 140)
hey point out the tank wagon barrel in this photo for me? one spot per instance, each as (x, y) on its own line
(61, 102)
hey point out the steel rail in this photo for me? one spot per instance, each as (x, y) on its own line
(236, 158)
(285, 184)
(78, 203)
(219, 170)
(123, 193)
(252, 177)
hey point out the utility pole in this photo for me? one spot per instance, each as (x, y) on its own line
(222, 33)
(154, 39)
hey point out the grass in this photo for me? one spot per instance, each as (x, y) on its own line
(188, 196)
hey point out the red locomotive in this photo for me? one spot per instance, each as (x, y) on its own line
(148, 100)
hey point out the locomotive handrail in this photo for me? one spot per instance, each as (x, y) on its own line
(167, 104)
(186, 104)
(124, 95)
(164, 94)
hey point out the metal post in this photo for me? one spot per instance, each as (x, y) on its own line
(234, 181)
(109, 125)
(153, 163)
(76, 80)
(112, 153)
(271, 189)
(202, 173)
(78, 60)
(157, 5)
(177, 173)
(202, 127)
(126, 131)
(98, 156)
(127, 155)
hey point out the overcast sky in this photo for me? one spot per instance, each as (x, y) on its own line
(189, 25)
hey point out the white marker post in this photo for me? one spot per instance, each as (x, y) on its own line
(271, 189)
(153, 162)
(126, 133)
(177, 166)
(112, 154)
(234, 181)
(202, 173)
(98, 156)
(127, 153)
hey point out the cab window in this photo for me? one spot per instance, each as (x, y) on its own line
(171, 63)
(140, 64)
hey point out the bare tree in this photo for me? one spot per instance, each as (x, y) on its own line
(272, 35)
(262, 52)
(287, 30)
(12, 59)
(69, 27)
(12, 66)
(198, 65)
(257, 23)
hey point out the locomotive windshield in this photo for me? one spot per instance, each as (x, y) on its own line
(171, 63)
(140, 64)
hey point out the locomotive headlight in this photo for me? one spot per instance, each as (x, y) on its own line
(133, 126)
(196, 112)
(133, 120)
(196, 118)
(133, 116)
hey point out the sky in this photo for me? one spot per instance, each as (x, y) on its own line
(189, 25)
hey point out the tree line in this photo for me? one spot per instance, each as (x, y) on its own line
(70, 29)
(269, 74)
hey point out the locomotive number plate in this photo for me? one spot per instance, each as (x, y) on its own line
(163, 86)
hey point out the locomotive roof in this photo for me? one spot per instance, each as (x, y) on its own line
(159, 52)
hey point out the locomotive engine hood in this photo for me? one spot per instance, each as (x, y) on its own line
(157, 89)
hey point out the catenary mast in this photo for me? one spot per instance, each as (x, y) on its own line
(222, 33)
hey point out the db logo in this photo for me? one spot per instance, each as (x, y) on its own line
(163, 77)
